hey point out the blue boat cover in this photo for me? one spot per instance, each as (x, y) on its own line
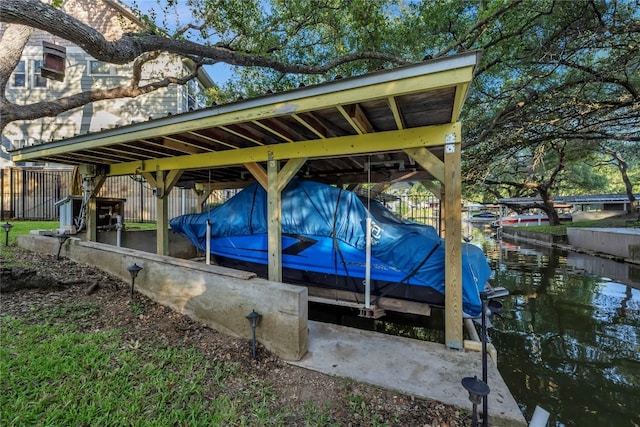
(319, 210)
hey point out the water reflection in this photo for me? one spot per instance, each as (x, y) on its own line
(569, 340)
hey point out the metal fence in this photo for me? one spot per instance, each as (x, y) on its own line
(31, 194)
(421, 208)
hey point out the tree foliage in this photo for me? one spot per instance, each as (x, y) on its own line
(558, 86)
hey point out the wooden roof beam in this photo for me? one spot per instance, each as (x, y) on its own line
(323, 148)
(191, 144)
(271, 128)
(214, 140)
(393, 105)
(241, 135)
(154, 153)
(312, 124)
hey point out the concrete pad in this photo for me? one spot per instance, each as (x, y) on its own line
(423, 369)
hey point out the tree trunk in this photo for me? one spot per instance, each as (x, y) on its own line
(548, 207)
(628, 186)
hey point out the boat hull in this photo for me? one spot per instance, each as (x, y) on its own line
(324, 242)
(322, 263)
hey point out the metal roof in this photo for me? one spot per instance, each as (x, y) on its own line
(349, 130)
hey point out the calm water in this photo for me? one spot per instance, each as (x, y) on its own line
(569, 340)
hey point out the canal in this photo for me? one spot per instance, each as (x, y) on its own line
(569, 339)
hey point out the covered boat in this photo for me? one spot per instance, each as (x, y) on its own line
(324, 242)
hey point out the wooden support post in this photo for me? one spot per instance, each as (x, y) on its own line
(274, 221)
(453, 242)
(277, 180)
(162, 213)
(163, 182)
(91, 210)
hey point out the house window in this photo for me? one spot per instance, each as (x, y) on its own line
(99, 68)
(38, 80)
(20, 75)
(191, 95)
(195, 98)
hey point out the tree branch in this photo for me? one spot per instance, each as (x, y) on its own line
(36, 14)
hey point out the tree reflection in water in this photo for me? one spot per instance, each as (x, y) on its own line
(568, 341)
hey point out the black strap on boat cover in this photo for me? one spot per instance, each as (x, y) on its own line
(338, 251)
(253, 203)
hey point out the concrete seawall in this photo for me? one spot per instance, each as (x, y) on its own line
(216, 296)
(620, 244)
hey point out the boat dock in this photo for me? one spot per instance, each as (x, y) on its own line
(424, 369)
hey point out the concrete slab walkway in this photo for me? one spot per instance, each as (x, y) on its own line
(423, 369)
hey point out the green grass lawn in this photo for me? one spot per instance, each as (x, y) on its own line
(58, 369)
(25, 227)
(559, 230)
(52, 374)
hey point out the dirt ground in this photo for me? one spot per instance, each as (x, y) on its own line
(43, 281)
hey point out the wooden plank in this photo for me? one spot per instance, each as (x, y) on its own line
(350, 119)
(434, 188)
(288, 171)
(172, 178)
(180, 146)
(427, 160)
(315, 129)
(277, 132)
(241, 135)
(150, 178)
(196, 146)
(258, 173)
(214, 140)
(321, 148)
(356, 300)
(477, 346)
(127, 152)
(396, 112)
(361, 120)
(461, 94)
(148, 150)
(453, 247)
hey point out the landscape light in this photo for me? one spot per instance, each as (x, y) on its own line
(478, 390)
(254, 320)
(133, 270)
(7, 228)
(62, 237)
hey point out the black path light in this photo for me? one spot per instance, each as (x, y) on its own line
(62, 237)
(489, 308)
(478, 390)
(254, 320)
(133, 270)
(7, 228)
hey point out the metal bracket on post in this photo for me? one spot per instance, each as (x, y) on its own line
(450, 143)
(371, 312)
